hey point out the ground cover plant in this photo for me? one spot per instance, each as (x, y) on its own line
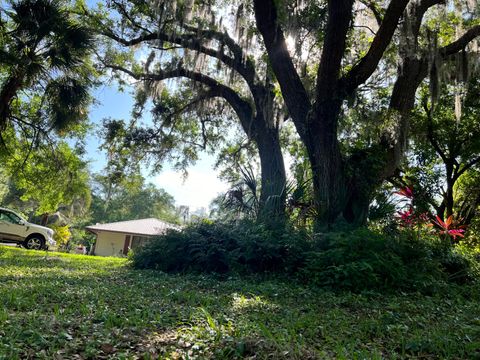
(61, 306)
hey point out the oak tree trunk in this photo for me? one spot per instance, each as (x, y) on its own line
(329, 185)
(273, 177)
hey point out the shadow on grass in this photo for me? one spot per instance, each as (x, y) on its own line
(66, 305)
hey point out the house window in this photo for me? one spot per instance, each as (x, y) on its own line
(138, 241)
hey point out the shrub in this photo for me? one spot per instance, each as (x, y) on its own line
(244, 247)
(461, 264)
(363, 259)
(61, 235)
(355, 261)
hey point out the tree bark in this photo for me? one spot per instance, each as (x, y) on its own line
(8, 92)
(273, 177)
(448, 197)
(45, 219)
(266, 135)
(327, 165)
(343, 186)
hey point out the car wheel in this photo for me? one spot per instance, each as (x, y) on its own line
(35, 243)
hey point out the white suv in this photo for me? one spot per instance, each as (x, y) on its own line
(15, 229)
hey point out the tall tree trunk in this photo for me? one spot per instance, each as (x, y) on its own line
(329, 185)
(8, 92)
(266, 134)
(346, 186)
(341, 186)
(448, 197)
(273, 177)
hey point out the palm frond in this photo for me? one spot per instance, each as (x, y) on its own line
(68, 98)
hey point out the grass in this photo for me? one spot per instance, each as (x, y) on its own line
(61, 306)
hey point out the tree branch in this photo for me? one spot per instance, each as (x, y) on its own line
(190, 41)
(461, 42)
(419, 12)
(339, 19)
(123, 11)
(365, 68)
(242, 108)
(430, 135)
(293, 91)
(410, 75)
(466, 167)
(374, 9)
(222, 37)
(240, 61)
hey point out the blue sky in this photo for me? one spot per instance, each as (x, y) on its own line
(202, 184)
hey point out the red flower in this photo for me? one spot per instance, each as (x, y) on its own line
(446, 227)
(407, 192)
(456, 232)
(406, 217)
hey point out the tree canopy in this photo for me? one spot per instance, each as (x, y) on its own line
(321, 60)
(348, 89)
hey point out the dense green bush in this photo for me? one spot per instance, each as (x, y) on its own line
(461, 264)
(363, 259)
(244, 247)
(357, 260)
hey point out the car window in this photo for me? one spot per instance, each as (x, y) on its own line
(9, 217)
(4, 217)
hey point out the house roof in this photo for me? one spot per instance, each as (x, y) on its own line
(150, 227)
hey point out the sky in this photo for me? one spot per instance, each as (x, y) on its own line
(196, 191)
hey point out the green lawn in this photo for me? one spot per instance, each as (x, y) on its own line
(76, 307)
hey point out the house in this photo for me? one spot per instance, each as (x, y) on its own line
(117, 238)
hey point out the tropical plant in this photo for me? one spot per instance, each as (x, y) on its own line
(242, 199)
(45, 77)
(449, 228)
(412, 218)
(44, 50)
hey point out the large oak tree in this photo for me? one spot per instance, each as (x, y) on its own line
(188, 46)
(344, 182)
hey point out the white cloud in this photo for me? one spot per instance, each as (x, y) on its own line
(197, 190)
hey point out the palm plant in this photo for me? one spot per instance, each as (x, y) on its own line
(243, 198)
(43, 50)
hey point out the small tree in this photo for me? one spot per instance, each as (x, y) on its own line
(50, 179)
(446, 151)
